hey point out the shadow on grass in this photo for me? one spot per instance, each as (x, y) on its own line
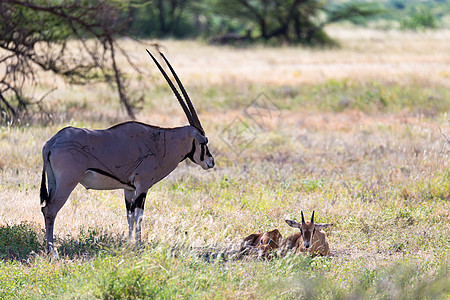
(22, 241)
(18, 241)
(89, 243)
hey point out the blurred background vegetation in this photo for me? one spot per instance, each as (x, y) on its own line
(278, 21)
(35, 36)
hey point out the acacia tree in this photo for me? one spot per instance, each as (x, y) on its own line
(71, 38)
(290, 21)
(164, 18)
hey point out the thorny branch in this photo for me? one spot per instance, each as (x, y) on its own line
(34, 35)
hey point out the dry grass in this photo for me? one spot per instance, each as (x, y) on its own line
(383, 178)
(364, 55)
(229, 76)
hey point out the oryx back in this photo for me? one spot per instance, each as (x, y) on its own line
(108, 159)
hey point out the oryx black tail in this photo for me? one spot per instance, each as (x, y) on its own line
(45, 197)
(44, 193)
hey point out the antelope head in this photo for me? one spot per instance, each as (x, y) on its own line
(200, 153)
(308, 229)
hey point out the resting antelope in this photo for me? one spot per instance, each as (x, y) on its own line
(311, 238)
(261, 243)
(131, 156)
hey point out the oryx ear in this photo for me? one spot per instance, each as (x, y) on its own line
(323, 225)
(293, 224)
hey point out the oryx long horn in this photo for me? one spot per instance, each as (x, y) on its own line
(197, 123)
(175, 91)
(312, 217)
(303, 218)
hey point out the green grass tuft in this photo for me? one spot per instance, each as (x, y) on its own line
(19, 240)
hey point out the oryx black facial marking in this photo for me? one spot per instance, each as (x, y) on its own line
(190, 154)
(202, 152)
(132, 156)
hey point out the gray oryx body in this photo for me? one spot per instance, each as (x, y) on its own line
(131, 156)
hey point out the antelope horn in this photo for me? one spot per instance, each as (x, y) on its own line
(174, 89)
(303, 218)
(312, 217)
(197, 123)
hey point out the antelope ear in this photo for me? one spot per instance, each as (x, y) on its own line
(293, 224)
(322, 225)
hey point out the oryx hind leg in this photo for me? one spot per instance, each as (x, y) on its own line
(60, 186)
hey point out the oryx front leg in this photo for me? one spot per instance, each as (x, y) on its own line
(130, 196)
(139, 215)
(135, 211)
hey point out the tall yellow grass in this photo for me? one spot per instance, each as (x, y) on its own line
(347, 148)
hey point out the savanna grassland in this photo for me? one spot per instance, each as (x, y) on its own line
(356, 133)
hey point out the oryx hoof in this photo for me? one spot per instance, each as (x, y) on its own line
(52, 252)
(139, 246)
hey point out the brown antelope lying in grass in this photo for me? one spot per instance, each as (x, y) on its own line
(261, 244)
(311, 238)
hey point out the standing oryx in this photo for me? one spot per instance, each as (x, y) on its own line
(131, 156)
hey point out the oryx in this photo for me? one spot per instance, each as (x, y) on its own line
(131, 156)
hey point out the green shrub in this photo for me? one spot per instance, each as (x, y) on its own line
(420, 20)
